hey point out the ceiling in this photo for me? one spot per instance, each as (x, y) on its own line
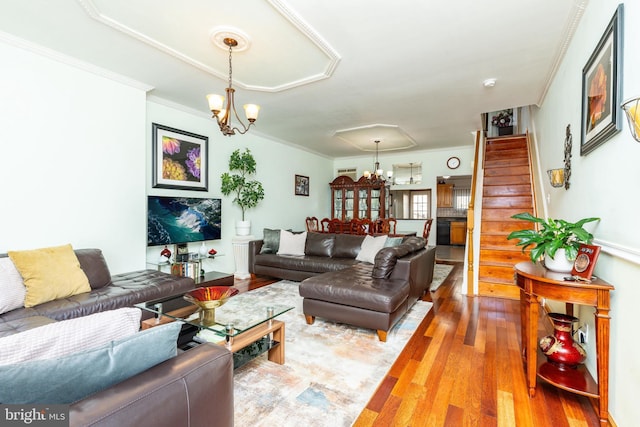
(330, 76)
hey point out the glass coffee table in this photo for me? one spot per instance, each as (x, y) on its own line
(246, 325)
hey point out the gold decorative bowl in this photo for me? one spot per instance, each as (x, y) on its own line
(208, 299)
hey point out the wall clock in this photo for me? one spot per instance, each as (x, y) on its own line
(453, 162)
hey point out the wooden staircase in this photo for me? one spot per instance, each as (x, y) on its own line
(506, 191)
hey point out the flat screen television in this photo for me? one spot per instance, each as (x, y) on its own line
(175, 220)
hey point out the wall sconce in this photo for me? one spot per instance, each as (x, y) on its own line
(556, 177)
(632, 110)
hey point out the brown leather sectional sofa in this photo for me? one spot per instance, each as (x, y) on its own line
(194, 388)
(337, 287)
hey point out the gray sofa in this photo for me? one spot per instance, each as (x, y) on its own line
(338, 287)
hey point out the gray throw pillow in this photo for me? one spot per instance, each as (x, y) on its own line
(71, 378)
(271, 241)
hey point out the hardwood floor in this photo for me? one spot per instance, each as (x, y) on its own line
(463, 367)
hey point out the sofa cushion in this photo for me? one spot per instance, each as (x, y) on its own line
(292, 244)
(347, 245)
(370, 247)
(12, 289)
(50, 273)
(70, 378)
(314, 264)
(94, 266)
(355, 287)
(69, 336)
(386, 259)
(393, 241)
(319, 244)
(271, 241)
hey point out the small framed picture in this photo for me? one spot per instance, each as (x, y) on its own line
(602, 87)
(302, 185)
(179, 159)
(585, 261)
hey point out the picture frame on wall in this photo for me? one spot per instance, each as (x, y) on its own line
(179, 159)
(301, 185)
(602, 88)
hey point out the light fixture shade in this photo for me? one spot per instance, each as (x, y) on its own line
(366, 174)
(379, 172)
(556, 177)
(251, 110)
(632, 110)
(389, 174)
(215, 102)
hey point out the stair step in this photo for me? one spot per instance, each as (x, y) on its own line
(506, 190)
(520, 202)
(504, 226)
(498, 290)
(506, 171)
(505, 256)
(497, 214)
(499, 161)
(506, 144)
(507, 180)
(496, 273)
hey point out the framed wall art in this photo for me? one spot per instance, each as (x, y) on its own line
(179, 159)
(602, 88)
(302, 185)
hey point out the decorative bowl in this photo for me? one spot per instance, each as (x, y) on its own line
(210, 296)
(208, 299)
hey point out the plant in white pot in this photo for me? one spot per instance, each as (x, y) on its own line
(248, 192)
(556, 239)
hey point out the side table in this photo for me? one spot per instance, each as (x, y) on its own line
(535, 281)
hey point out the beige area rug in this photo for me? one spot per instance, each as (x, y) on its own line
(440, 273)
(330, 372)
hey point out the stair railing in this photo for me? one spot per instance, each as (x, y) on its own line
(471, 216)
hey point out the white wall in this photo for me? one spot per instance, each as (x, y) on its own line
(434, 164)
(277, 165)
(603, 184)
(73, 159)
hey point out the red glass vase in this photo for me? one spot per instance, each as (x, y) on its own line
(560, 348)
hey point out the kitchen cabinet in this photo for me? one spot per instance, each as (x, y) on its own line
(458, 233)
(365, 198)
(445, 195)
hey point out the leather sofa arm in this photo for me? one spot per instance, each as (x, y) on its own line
(195, 388)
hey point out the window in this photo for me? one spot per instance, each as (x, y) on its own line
(411, 204)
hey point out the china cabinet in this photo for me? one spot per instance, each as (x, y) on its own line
(365, 198)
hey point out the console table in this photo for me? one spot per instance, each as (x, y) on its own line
(535, 281)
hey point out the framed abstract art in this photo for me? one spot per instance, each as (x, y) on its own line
(602, 88)
(179, 159)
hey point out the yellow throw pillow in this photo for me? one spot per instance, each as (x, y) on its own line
(50, 273)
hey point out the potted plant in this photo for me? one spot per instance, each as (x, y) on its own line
(502, 120)
(557, 240)
(247, 192)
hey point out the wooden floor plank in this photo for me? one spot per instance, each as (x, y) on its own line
(463, 367)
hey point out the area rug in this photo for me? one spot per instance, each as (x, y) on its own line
(440, 273)
(331, 370)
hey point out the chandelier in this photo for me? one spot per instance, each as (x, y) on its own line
(223, 115)
(378, 172)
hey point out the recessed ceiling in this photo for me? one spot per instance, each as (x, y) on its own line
(319, 67)
(364, 138)
(173, 28)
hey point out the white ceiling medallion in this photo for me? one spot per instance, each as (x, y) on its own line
(218, 34)
(364, 137)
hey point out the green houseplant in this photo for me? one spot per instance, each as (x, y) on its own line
(554, 236)
(248, 192)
